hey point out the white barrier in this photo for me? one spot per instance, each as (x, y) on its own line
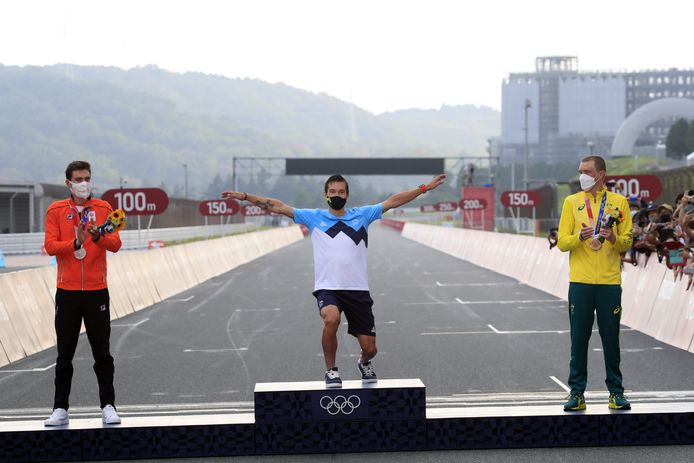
(652, 301)
(136, 281)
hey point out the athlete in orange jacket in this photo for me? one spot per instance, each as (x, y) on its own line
(73, 238)
(61, 241)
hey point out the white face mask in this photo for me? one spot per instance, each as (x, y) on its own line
(587, 182)
(81, 190)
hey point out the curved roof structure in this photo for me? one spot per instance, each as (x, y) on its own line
(646, 115)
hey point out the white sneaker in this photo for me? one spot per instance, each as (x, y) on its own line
(59, 417)
(109, 415)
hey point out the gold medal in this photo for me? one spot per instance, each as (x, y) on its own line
(595, 245)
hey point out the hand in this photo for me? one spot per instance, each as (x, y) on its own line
(586, 232)
(93, 231)
(438, 180)
(234, 195)
(81, 233)
(608, 234)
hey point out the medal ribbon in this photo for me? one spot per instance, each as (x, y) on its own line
(589, 210)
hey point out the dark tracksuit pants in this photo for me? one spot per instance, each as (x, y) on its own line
(71, 307)
(585, 300)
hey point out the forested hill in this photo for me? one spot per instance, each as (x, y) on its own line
(144, 123)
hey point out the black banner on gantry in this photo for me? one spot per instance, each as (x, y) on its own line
(365, 166)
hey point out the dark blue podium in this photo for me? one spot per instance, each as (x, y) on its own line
(307, 417)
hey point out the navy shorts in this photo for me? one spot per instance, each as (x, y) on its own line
(357, 306)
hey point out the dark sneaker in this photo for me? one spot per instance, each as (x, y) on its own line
(618, 402)
(575, 402)
(368, 375)
(332, 378)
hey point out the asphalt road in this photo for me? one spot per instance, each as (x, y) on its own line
(473, 337)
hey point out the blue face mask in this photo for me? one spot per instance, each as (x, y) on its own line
(336, 202)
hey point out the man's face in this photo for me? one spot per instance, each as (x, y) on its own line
(588, 168)
(337, 189)
(79, 176)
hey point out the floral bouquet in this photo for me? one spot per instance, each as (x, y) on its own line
(115, 222)
(612, 217)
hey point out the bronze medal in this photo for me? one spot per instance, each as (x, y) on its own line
(595, 245)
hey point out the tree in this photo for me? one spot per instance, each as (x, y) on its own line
(676, 142)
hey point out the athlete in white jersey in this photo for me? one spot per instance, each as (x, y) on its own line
(340, 238)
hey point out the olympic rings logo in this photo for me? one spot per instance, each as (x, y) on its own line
(340, 404)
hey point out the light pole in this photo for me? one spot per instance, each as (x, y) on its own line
(526, 107)
(185, 168)
(659, 147)
(590, 147)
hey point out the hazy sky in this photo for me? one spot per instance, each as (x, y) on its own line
(383, 55)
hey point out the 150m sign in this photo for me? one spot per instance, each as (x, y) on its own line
(138, 201)
(527, 198)
(219, 207)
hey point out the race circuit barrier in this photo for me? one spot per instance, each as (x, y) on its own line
(136, 280)
(307, 417)
(652, 301)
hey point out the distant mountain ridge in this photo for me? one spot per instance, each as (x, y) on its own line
(144, 123)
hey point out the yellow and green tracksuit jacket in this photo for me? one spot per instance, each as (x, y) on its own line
(588, 266)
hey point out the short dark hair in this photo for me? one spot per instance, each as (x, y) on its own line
(599, 162)
(76, 165)
(336, 178)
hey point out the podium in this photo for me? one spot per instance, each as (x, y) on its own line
(307, 417)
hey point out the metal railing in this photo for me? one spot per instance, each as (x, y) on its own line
(32, 243)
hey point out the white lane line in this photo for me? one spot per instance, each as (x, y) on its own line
(439, 284)
(130, 324)
(429, 303)
(446, 333)
(509, 302)
(495, 331)
(29, 371)
(562, 385)
(460, 301)
(215, 351)
(258, 310)
(189, 298)
(541, 307)
(216, 293)
(599, 349)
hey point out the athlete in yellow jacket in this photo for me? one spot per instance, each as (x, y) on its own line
(595, 227)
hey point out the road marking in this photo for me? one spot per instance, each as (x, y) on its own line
(562, 385)
(215, 351)
(491, 327)
(599, 349)
(429, 303)
(258, 310)
(534, 307)
(189, 298)
(439, 284)
(509, 302)
(216, 293)
(129, 324)
(495, 331)
(29, 371)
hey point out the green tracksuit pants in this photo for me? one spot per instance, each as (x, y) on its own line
(584, 301)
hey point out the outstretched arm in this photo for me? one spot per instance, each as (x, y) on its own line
(272, 205)
(398, 199)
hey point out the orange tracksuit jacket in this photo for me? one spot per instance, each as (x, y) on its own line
(89, 273)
